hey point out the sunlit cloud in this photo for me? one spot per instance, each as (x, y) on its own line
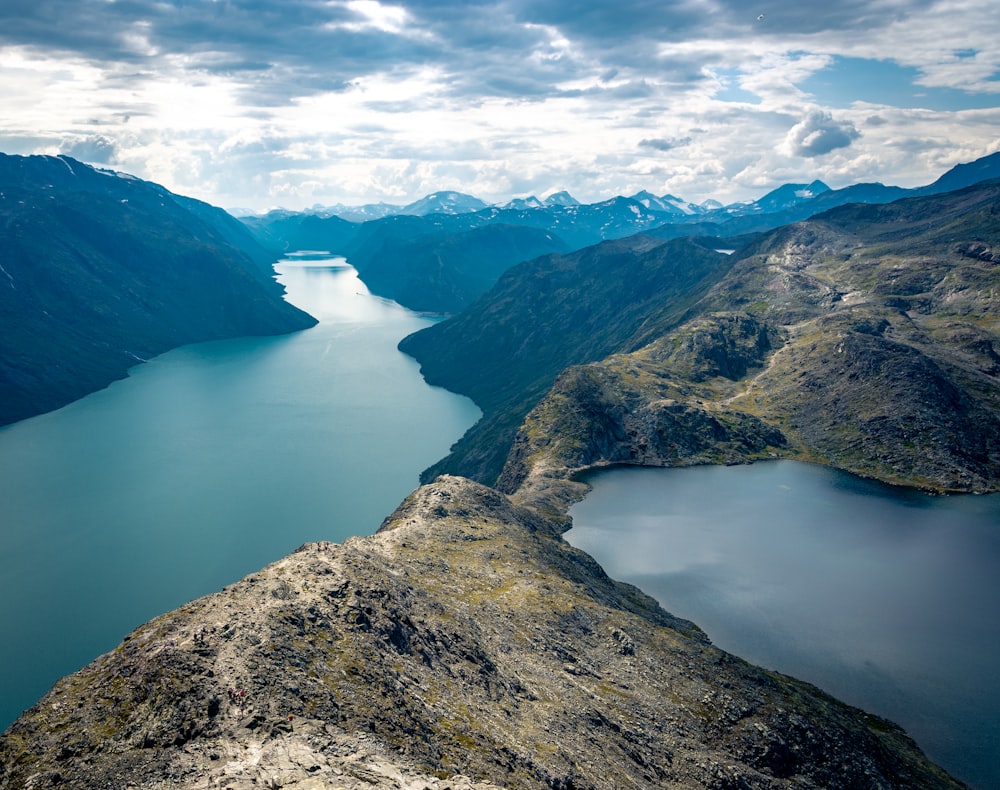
(299, 102)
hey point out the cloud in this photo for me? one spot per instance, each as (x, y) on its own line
(247, 102)
(96, 150)
(818, 133)
(664, 144)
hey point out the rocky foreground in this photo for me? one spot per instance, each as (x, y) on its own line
(465, 645)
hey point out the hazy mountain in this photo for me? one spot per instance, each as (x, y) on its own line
(523, 203)
(100, 271)
(963, 175)
(444, 203)
(562, 198)
(443, 272)
(666, 204)
(287, 231)
(889, 366)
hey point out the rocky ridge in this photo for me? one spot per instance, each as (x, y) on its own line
(465, 645)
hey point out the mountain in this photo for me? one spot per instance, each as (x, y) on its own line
(507, 348)
(464, 646)
(363, 213)
(667, 204)
(562, 198)
(788, 195)
(864, 338)
(290, 231)
(100, 271)
(443, 272)
(444, 203)
(519, 204)
(963, 175)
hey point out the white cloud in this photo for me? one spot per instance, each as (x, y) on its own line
(819, 133)
(305, 101)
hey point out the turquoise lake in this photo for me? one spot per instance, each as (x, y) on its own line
(887, 598)
(206, 464)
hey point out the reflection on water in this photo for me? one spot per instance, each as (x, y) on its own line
(204, 465)
(885, 597)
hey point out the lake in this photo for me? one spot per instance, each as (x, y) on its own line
(206, 464)
(887, 598)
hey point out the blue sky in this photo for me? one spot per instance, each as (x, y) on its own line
(264, 103)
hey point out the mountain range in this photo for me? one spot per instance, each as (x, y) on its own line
(432, 229)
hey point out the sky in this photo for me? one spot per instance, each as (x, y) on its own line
(260, 104)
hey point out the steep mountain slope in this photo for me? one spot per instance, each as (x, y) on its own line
(442, 272)
(507, 348)
(465, 639)
(99, 272)
(285, 231)
(866, 338)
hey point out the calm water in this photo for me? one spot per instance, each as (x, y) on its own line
(887, 598)
(204, 465)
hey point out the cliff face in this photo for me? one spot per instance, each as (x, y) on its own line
(465, 644)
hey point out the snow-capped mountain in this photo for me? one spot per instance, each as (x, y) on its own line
(666, 204)
(519, 204)
(562, 198)
(446, 202)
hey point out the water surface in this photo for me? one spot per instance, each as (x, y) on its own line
(206, 464)
(885, 597)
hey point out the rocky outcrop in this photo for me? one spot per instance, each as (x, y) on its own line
(465, 645)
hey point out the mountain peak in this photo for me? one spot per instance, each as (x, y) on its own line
(444, 202)
(561, 198)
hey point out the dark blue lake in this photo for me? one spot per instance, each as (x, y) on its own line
(206, 464)
(887, 598)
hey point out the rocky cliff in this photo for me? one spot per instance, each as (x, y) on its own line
(464, 645)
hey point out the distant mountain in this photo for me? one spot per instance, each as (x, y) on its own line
(519, 204)
(667, 204)
(562, 198)
(100, 271)
(788, 195)
(963, 175)
(363, 213)
(287, 231)
(443, 272)
(444, 203)
(575, 225)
